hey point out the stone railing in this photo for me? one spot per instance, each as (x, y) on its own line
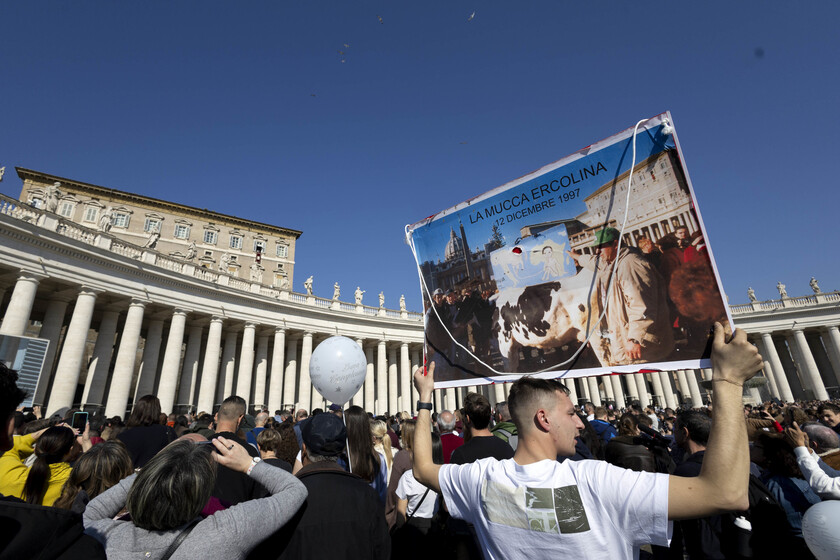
(53, 222)
(786, 303)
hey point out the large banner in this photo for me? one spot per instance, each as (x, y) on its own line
(579, 268)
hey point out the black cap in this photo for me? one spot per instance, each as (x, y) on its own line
(324, 434)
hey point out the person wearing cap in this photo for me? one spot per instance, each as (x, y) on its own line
(336, 409)
(342, 517)
(638, 317)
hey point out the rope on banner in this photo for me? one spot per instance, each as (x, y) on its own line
(667, 130)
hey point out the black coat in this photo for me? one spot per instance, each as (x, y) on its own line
(46, 533)
(342, 518)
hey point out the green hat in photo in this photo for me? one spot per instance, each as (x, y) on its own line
(605, 236)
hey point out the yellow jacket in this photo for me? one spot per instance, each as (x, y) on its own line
(13, 472)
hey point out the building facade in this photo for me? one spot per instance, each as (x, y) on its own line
(125, 319)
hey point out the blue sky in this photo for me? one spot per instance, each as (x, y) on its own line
(248, 109)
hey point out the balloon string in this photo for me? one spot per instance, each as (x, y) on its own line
(349, 462)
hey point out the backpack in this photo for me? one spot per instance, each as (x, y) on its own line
(767, 534)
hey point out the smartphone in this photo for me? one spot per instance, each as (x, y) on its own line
(80, 421)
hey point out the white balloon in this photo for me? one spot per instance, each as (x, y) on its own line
(821, 529)
(337, 368)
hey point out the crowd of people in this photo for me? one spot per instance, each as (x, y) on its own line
(534, 474)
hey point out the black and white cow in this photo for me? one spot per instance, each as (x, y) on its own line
(546, 316)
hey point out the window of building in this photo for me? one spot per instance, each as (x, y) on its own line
(210, 237)
(208, 253)
(235, 242)
(259, 246)
(152, 224)
(91, 212)
(66, 209)
(182, 231)
(233, 259)
(282, 251)
(36, 202)
(120, 220)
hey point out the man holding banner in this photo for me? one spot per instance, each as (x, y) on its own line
(638, 317)
(588, 509)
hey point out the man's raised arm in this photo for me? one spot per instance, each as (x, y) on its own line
(425, 469)
(724, 477)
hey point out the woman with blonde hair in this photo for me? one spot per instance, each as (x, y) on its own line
(382, 443)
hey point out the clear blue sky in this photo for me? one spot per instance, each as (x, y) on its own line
(248, 109)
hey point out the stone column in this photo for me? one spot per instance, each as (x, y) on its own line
(656, 383)
(126, 358)
(246, 363)
(693, 387)
(683, 382)
(393, 379)
(632, 389)
(70, 362)
(305, 382)
(261, 370)
(641, 385)
(594, 391)
(618, 391)
(584, 389)
(149, 362)
(51, 330)
(290, 377)
(415, 396)
(224, 388)
(769, 353)
(190, 372)
(171, 361)
(499, 391)
(668, 390)
(808, 366)
(278, 357)
(608, 388)
(370, 382)
(20, 305)
(381, 378)
(404, 399)
(831, 340)
(210, 369)
(449, 401)
(100, 363)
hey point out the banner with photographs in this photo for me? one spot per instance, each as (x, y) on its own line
(564, 273)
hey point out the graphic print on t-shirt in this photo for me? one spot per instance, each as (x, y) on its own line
(547, 510)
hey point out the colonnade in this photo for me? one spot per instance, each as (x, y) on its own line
(111, 350)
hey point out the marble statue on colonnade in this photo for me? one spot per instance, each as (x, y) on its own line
(308, 286)
(782, 290)
(359, 293)
(814, 285)
(751, 294)
(336, 291)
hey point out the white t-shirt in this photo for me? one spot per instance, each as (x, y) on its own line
(408, 488)
(584, 509)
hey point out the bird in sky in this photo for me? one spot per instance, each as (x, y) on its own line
(380, 19)
(472, 16)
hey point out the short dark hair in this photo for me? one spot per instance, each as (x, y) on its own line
(232, 408)
(145, 412)
(10, 395)
(477, 407)
(526, 393)
(698, 424)
(828, 406)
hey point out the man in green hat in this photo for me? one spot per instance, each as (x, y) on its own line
(638, 317)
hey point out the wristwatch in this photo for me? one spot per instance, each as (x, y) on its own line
(254, 461)
(425, 406)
